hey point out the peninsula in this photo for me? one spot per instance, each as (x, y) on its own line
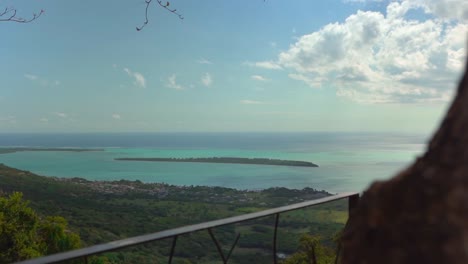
(233, 160)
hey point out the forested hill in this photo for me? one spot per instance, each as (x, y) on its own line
(102, 211)
(234, 160)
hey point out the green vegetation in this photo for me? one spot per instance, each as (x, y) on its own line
(24, 235)
(311, 250)
(256, 161)
(105, 211)
(13, 150)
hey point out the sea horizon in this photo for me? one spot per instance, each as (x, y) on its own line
(349, 161)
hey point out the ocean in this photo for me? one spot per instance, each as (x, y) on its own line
(347, 161)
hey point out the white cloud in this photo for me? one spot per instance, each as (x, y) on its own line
(385, 58)
(259, 78)
(444, 9)
(204, 61)
(315, 82)
(361, 1)
(8, 119)
(251, 102)
(270, 65)
(116, 116)
(41, 81)
(30, 77)
(207, 80)
(172, 83)
(60, 114)
(44, 120)
(140, 80)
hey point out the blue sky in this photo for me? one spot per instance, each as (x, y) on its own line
(241, 65)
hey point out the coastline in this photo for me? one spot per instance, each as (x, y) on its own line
(103, 211)
(21, 180)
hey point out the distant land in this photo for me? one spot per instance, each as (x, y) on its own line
(234, 160)
(13, 150)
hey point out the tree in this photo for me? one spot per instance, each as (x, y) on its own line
(55, 237)
(24, 234)
(420, 215)
(311, 251)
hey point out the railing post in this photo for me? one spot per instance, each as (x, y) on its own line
(232, 248)
(275, 257)
(353, 201)
(218, 246)
(174, 241)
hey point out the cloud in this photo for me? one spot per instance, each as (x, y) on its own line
(31, 77)
(361, 1)
(172, 83)
(61, 115)
(269, 65)
(207, 80)
(373, 57)
(140, 80)
(259, 78)
(8, 119)
(315, 82)
(41, 81)
(441, 9)
(204, 61)
(116, 116)
(251, 102)
(44, 120)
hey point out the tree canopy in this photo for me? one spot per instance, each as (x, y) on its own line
(24, 234)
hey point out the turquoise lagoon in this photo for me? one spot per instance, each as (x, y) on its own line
(348, 161)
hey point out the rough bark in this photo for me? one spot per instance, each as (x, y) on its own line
(420, 215)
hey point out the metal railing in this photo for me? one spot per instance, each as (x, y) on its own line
(84, 253)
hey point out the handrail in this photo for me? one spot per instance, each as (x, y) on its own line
(175, 232)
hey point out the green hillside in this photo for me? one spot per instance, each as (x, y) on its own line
(105, 211)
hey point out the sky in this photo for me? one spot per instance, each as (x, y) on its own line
(231, 66)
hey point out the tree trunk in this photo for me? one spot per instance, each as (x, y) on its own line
(420, 215)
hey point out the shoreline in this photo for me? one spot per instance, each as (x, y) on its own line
(13, 177)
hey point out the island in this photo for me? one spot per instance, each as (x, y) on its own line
(232, 160)
(18, 149)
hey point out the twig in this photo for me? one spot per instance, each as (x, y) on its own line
(4, 17)
(163, 5)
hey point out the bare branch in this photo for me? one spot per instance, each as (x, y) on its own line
(161, 4)
(9, 15)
